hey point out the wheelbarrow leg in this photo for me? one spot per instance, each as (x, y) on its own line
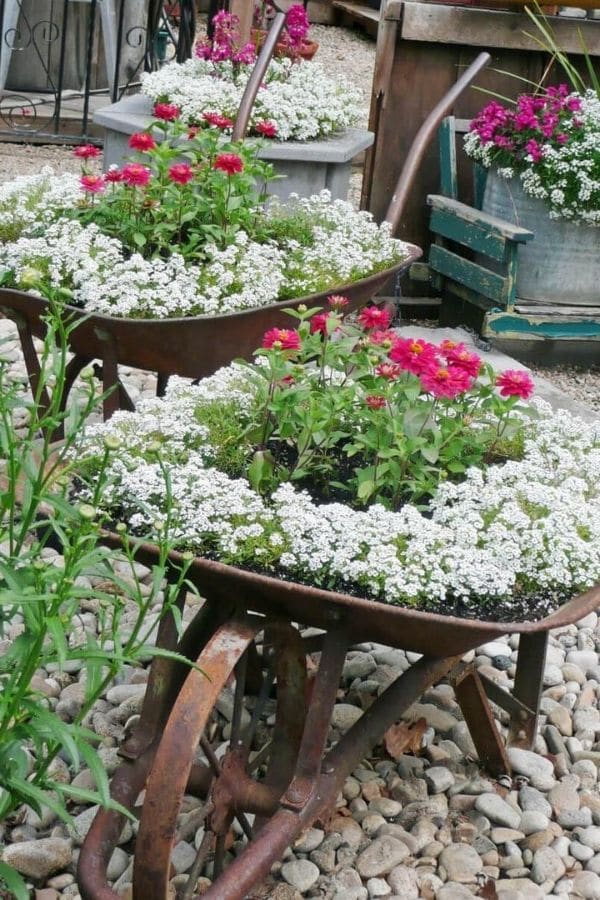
(529, 679)
(471, 695)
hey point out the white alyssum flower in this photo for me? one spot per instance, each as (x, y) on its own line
(528, 524)
(30, 202)
(105, 279)
(299, 98)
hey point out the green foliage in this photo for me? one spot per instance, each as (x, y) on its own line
(43, 600)
(334, 413)
(226, 435)
(165, 215)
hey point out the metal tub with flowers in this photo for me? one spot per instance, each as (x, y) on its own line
(373, 488)
(534, 225)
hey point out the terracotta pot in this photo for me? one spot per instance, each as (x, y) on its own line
(306, 51)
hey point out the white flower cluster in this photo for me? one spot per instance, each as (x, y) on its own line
(299, 98)
(567, 177)
(244, 275)
(527, 524)
(35, 200)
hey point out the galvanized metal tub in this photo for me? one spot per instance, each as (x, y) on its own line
(562, 264)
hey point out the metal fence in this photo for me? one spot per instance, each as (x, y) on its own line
(62, 59)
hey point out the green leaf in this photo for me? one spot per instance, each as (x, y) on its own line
(365, 489)
(431, 454)
(13, 881)
(38, 798)
(260, 469)
(139, 239)
(455, 467)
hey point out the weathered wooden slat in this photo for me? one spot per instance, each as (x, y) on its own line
(557, 313)
(472, 275)
(359, 11)
(447, 142)
(473, 27)
(509, 325)
(469, 234)
(497, 227)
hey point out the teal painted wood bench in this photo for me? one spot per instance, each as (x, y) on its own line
(474, 261)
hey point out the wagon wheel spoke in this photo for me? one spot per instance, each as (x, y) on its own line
(238, 750)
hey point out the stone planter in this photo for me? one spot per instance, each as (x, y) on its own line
(561, 265)
(308, 166)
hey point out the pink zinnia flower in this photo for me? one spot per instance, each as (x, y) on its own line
(461, 358)
(336, 301)
(442, 381)
(375, 401)
(515, 383)
(168, 112)
(230, 163)
(181, 173)
(383, 337)
(136, 175)
(142, 141)
(390, 371)
(87, 151)
(374, 317)
(281, 339)
(413, 355)
(318, 323)
(114, 175)
(92, 184)
(216, 119)
(266, 128)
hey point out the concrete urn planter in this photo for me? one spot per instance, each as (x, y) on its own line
(308, 166)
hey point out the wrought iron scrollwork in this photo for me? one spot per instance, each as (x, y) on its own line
(57, 57)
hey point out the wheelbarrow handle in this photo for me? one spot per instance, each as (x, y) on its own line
(257, 76)
(424, 136)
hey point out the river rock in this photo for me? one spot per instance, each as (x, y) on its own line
(381, 856)
(38, 859)
(547, 866)
(404, 882)
(461, 862)
(345, 715)
(300, 874)
(537, 769)
(498, 810)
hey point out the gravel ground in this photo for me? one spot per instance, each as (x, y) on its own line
(430, 825)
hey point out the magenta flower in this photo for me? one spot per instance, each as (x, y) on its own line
(92, 184)
(136, 175)
(181, 173)
(515, 383)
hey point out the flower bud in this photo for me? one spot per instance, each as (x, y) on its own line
(30, 277)
(87, 511)
(120, 527)
(87, 373)
(112, 442)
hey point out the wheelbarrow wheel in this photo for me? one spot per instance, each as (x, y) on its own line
(237, 780)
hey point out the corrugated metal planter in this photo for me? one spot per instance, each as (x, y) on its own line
(562, 264)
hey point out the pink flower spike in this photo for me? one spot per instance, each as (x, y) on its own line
(92, 184)
(391, 371)
(87, 151)
(375, 401)
(515, 383)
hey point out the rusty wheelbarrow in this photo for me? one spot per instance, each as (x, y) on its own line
(289, 780)
(191, 347)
